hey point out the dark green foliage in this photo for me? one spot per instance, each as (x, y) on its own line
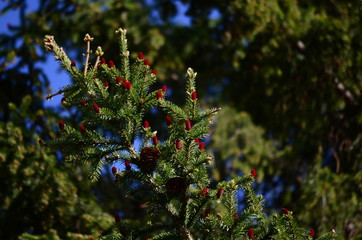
(38, 195)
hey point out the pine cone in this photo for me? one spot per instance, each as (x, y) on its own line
(148, 159)
(176, 185)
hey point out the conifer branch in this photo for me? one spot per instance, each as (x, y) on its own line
(168, 174)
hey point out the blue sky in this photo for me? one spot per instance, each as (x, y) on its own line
(57, 76)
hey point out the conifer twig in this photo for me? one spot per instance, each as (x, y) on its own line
(50, 96)
(87, 39)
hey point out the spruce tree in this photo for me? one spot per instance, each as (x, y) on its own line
(171, 176)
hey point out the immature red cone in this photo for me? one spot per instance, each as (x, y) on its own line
(83, 102)
(63, 100)
(236, 216)
(155, 140)
(116, 218)
(178, 144)
(176, 185)
(168, 121)
(148, 158)
(61, 125)
(110, 64)
(91, 238)
(103, 61)
(204, 191)
(206, 213)
(196, 140)
(312, 233)
(201, 145)
(114, 170)
(82, 129)
(253, 173)
(147, 62)
(158, 95)
(140, 55)
(126, 85)
(106, 84)
(188, 125)
(286, 211)
(219, 192)
(72, 63)
(96, 108)
(251, 233)
(118, 79)
(360, 90)
(153, 72)
(164, 88)
(127, 165)
(146, 124)
(193, 96)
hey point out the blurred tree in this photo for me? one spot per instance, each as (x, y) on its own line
(37, 194)
(295, 67)
(67, 206)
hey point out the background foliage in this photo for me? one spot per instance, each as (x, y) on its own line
(286, 73)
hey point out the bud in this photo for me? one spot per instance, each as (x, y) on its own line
(83, 102)
(128, 165)
(116, 218)
(204, 191)
(312, 233)
(193, 96)
(178, 144)
(286, 211)
(253, 173)
(164, 88)
(82, 129)
(219, 192)
(251, 233)
(63, 100)
(140, 55)
(61, 125)
(155, 140)
(114, 170)
(147, 62)
(110, 64)
(188, 125)
(146, 124)
(96, 108)
(206, 213)
(99, 51)
(153, 72)
(72, 63)
(218, 215)
(158, 95)
(118, 79)
(201, 145)
(168, 121)
(126, 85)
